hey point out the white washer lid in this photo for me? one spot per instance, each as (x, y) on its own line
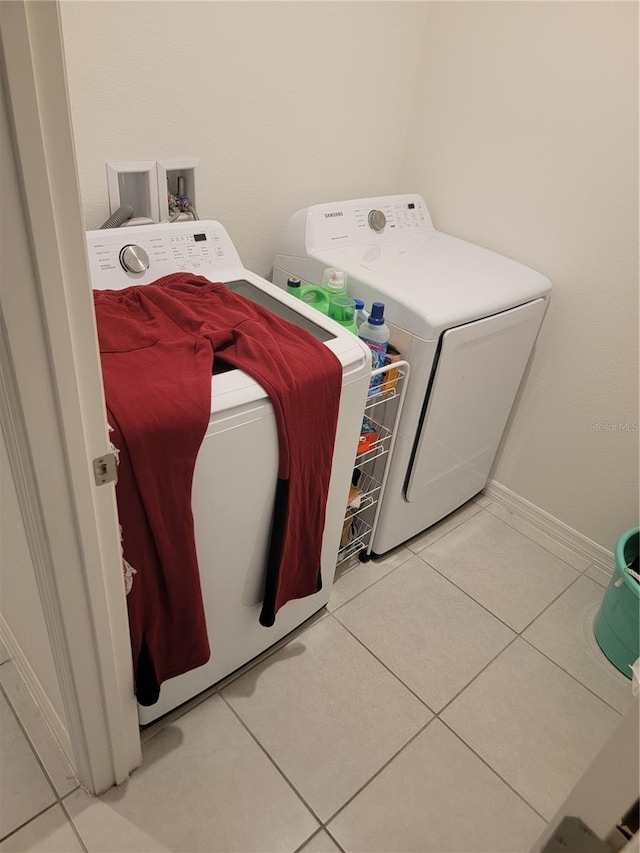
(430, 282)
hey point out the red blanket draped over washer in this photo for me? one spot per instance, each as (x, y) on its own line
(157, 346)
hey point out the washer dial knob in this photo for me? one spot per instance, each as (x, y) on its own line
(377, 220)
(134, 258)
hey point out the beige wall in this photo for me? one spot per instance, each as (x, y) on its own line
(285, 103)
(525, 140)
(517, 121)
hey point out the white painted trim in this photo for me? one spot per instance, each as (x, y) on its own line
(608, 786)
(558, 530)
(57, 425)
(17, 443)
(40, 697)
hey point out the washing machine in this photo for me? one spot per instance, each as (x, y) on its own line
(464, 317)
(236, 469)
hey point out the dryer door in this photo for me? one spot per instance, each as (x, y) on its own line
(477, 377)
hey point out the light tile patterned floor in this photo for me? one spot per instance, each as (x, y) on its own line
(449, 699)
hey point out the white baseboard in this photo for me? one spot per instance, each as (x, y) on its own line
(25, 670)
(577, 542)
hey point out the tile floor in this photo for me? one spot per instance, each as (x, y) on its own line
(447, 700)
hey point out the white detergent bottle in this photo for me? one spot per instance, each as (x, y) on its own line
(361, 315)
(375, 333)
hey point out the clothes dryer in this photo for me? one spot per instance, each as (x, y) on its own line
(464, 317)
(236, 469)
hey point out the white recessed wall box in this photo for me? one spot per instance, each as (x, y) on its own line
(134, 183)
(178, 177)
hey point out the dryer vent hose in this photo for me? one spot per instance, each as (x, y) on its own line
(122, 215)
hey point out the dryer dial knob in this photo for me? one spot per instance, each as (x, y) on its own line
(134, 258)
(377, 220)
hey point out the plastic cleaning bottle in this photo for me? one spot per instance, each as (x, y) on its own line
(334, 281)
(361, 315)
(375, 333)
(342, 310)
(293, 286)
(313, 295)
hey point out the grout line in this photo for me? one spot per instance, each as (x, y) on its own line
(468, 595)
(495, 772)
(146, 734)
(476, 676)
(85, 790)
(333, 838)
(571, 675)
(377, 773)
(315, 835)
(74, 827)
(443, 522)
(223, 683)
(27, 822)
(22, 728)
(490, 612)
(373, 583)
(527, 521)
(597, 568)
(437, 716)
(294, 634)
(272, 760)
(550, 604)
(158, 726)
(520, 635)
(600, 560)
(383, 664)
(323, 824)
(489, 662)
(481, 496)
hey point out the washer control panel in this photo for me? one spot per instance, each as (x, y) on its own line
(120, 257)
(359, 220)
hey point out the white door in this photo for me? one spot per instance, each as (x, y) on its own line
(609, 786)
(52, 412)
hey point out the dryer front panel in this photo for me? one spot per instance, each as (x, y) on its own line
(479, 370)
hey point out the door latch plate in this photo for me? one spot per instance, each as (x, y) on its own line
(105, 469)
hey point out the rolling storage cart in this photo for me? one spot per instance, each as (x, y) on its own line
(372, 463)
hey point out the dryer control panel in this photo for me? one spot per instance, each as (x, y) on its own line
(364, 220)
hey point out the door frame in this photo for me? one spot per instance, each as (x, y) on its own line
(609, 785)
(53, 412)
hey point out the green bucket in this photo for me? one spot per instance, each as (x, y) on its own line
(617, 622)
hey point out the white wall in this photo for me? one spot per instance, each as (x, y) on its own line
(516, 121)
(285, 103)
(525, 140)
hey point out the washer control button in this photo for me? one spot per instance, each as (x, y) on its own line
(377, 220)
(134, 258)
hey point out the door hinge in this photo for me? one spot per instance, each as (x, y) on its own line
(105, 469)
